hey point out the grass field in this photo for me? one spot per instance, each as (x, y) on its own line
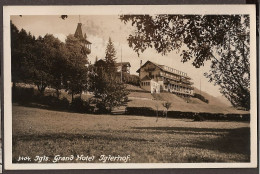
(45, 132)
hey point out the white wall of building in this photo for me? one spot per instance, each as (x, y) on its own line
(146, 85)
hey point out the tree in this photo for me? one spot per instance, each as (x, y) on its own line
(232, 71)
(76, 70)
(110, 58)
(108, 90)
(31, 59)
(39, 62)
(167, 105)
(21, 44)
(157, 108)
(48, 62)
(59, 57)
(199, 38)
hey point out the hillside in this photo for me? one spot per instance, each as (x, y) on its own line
(140, 98)
(219, 101)
(224, 100)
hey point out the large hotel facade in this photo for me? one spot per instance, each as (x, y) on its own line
(157, 78)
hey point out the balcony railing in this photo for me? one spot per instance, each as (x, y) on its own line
(88, 50)
(187, 82)
(180, 91)
(179, 84)
(169, 76)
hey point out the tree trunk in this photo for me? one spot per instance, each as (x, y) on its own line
(72, 95)
(156, 114)
(58, 93)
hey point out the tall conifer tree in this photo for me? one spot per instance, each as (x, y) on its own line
(110, 58)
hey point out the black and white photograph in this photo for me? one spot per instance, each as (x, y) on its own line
(130, 86)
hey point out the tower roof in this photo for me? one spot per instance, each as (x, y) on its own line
(79, 34)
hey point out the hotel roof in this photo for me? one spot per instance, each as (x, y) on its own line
(166, 69)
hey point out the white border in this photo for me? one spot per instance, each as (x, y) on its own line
(115, 10)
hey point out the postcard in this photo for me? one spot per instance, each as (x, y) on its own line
(130, 87)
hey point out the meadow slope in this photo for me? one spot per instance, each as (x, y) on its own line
(45, 132)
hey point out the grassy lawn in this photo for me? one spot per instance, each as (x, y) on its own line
(45, 132)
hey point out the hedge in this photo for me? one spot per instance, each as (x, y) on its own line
(147, 111)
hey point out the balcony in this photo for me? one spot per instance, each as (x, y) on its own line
(178, 84)
(88, 51)
(85, 50)
(179, 91)
(187, 82)
(169, 76)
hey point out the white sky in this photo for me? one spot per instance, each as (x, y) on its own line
(98, 30)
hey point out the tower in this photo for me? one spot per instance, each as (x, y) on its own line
(83, 39)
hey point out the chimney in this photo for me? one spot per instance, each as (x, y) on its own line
(140, 63)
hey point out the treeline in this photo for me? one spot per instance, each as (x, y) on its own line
(48, 62)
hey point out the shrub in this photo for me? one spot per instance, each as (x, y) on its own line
(52, 102)
(62, 103)
(146, 111)
(202, 98)
(102, 109)
(140, 111)
(198, 118)
(22, 95)
(79, 105)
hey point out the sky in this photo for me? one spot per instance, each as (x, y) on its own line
(98, 29)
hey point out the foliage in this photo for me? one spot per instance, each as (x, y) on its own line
(110, 58)
(22, 95)
(58, 54)
(232, 71)
(198, 118)
(129, 78)
(144, 111)
(20, 46)
(48, 62)
(52, 102)
(76, 70)
(167, 106)
(38, 63)
(79, 105)
(28, 96)
(109, 91)
(202, 98)
(221, 39)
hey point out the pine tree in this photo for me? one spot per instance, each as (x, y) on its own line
(110, 58)
(96, 60)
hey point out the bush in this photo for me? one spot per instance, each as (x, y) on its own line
(129, 78)
(101, 109)
(52, 102)
(22, 95)
(79, 105)
(140, 111)
(201, 97)
(198, 118)
(146, 111)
